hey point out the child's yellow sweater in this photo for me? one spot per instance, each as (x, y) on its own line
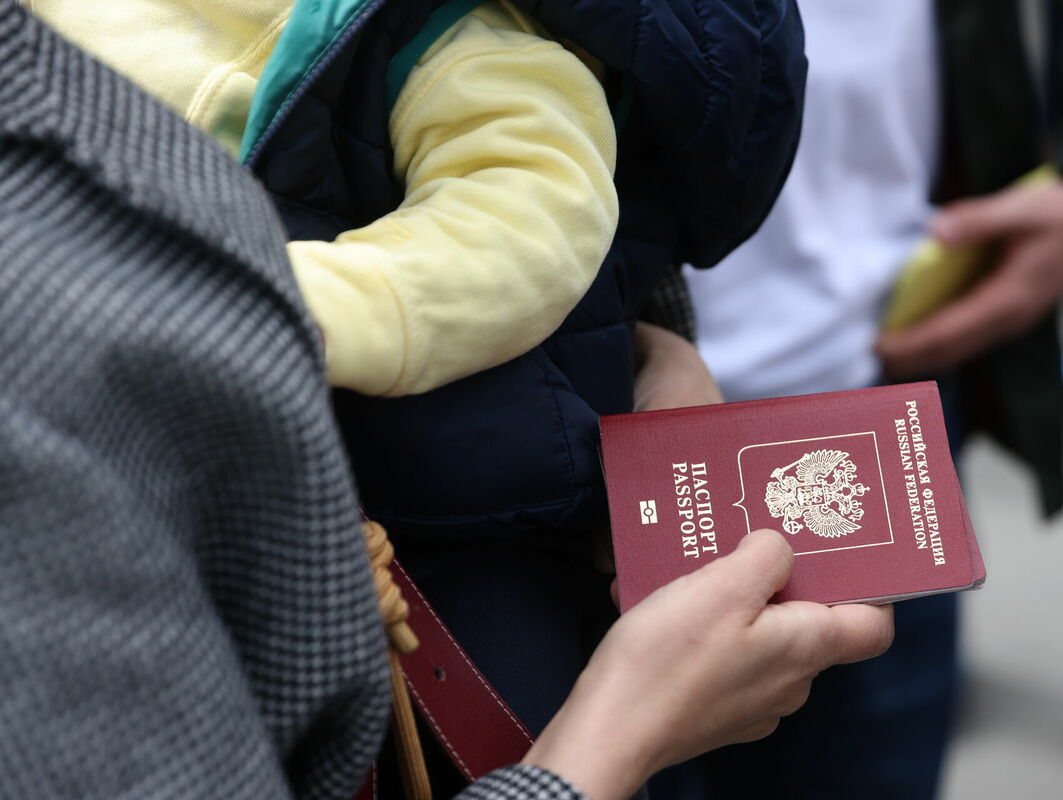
(503, 139)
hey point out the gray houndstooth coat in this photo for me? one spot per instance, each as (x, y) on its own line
(185, 604)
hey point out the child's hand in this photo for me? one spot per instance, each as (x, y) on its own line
(670, 372)
(701, 663)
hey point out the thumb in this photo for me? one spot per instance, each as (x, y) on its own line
(860, 632)
(758, 568)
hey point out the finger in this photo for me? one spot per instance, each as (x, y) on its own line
(859, 632)
(1003, 305)
(950, 336)
(758, 568)
(1006, 212)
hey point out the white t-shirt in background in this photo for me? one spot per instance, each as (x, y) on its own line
(796, 308)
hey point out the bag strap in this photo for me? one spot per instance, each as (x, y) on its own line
(466, 715)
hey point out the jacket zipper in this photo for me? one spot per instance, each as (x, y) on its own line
(310, 78)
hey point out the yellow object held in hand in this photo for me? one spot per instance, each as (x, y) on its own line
(937, 273)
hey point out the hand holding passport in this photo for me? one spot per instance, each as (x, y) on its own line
(703, 663)
(861, 483)
(707, 660)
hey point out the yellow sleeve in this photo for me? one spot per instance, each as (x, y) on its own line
(506, 147)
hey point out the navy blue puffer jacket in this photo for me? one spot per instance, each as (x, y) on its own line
(713, 92)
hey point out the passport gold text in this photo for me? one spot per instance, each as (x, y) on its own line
(697, 528)
(921, 504)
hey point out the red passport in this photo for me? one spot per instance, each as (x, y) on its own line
(861, 483)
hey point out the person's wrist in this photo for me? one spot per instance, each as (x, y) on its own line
(587, 744)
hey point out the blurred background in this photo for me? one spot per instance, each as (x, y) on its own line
(1009, 738)
(914, 106)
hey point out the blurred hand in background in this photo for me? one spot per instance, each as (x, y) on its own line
(1027, 281)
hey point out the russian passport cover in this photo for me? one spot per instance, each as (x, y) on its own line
(861, 483)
